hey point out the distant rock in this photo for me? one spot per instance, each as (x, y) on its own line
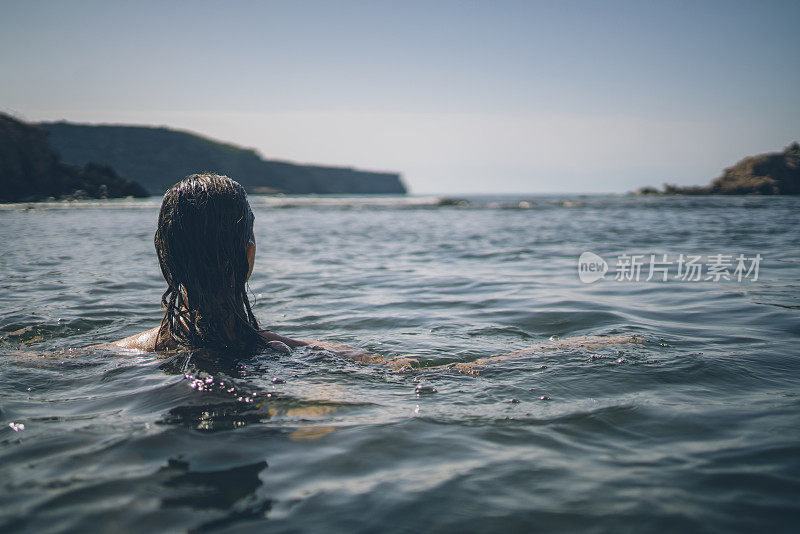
(30, 169)
(776, 173)
(648, 190)
(447, 201)
(159, 157)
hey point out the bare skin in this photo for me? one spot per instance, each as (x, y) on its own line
(146, 341)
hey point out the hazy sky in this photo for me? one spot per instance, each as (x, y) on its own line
(460, 97)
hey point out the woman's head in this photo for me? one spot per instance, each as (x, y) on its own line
(205, 246)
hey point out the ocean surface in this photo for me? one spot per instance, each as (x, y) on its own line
(537, 403)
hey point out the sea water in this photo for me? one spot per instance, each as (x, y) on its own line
(680, 412)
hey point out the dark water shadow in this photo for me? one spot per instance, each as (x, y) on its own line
(233, 490)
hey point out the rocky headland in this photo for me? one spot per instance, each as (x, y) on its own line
(31, 169)
(157, 157)
(775, 173)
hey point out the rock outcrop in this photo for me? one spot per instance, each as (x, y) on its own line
(30, 169)
(776, 173)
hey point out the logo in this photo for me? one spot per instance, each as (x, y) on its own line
(591, 267)
(660, 267)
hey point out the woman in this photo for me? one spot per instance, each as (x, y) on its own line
(206, 249)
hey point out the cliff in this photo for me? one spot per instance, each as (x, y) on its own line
(159, 157)
(776, 173)
(30, 169)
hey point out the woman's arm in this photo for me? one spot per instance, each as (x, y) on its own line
(286, 344)
(587, 343)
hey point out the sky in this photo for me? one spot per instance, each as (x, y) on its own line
(460, 97)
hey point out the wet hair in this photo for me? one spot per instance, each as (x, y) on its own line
(204, 227)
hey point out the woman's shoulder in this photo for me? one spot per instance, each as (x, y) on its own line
(279, 342)
(145, 341)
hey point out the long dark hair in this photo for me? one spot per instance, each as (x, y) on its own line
(204, 227)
